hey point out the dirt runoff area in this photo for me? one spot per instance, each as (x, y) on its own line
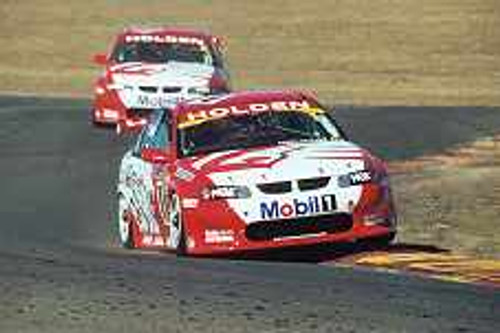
(451, 201)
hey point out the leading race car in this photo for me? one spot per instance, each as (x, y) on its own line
(148, 69)
(248, 171)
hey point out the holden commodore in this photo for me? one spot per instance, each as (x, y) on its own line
(148, 69)
(249, 171)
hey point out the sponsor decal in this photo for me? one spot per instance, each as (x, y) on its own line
(163, 39)
(311, 206)
(219, 236)
(355, 178)
(154, 102)
(110, 114)
(360, 177)
(198, 116)
(190, 203)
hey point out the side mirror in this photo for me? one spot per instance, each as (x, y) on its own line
(155, 155)
(100, 59)
(219, 42)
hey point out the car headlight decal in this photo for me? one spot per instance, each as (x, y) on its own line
(203, 91)
(100, 90)
(225, 192)
(356, 178)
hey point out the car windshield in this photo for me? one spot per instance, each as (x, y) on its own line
(259, 129)
(158, 53)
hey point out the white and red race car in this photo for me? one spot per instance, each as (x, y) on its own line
(148, 69)
(248, 171)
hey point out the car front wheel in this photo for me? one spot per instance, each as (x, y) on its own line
(125, 232)
(177, 232)
(379, 242)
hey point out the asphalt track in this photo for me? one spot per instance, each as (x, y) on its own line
(60, 270)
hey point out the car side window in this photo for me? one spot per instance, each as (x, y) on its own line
(155, 133)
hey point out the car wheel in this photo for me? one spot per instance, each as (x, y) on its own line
(177, 232)
(125, 231)
(93, 121)
(379, 241)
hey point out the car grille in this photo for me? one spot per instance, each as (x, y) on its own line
(275, 188)
(148, 89)
(313, 183)
(268, 230)
(286, 186)
(171, 90)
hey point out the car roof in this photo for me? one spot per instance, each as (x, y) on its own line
(206, 37)
(243, 101)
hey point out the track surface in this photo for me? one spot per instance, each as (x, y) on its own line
(61, 272)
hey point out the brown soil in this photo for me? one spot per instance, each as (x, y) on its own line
(452, 200)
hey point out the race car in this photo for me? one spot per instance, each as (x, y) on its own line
(148, 69)
(250, 171)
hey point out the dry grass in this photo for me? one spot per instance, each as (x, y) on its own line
(426, 52)
(455, 209)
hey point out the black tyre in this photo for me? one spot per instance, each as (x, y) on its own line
(125, 232)
(379, 242)
(177, 230)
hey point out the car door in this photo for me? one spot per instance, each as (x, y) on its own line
(148, 177)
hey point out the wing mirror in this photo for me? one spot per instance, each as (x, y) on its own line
(100, 59)
(155, 155)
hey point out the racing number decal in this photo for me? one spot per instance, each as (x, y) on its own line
(255, 159)
(136, 68)
(231, 160)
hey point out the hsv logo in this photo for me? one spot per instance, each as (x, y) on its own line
(313, 205)
(201, 115)
(360, 177)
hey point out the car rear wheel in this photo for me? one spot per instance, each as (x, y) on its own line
(177, 232)
(125, 231)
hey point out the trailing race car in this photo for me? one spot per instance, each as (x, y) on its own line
(247, 171)
(148, 69)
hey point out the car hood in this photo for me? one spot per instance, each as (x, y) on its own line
(161, 74)
(283, 162)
